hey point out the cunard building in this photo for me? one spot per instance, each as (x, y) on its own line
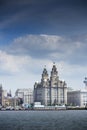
(50, 91)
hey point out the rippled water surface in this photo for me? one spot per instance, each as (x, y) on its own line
(43, 120)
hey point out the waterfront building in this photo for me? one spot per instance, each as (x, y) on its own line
(1, 95)
(25, 95)
(50, 91)
(78, 97)
(11, 101)
(5, 93)
(8, 100)
(9, 94)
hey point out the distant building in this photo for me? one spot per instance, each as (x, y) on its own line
(78, 97)
(7, 99)
(1, 95)
(5, 93)
(85, 82)
(9, 94)
(11, 101)
(50, 91)
(25, 94)
(69, 89)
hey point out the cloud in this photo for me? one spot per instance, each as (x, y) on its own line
(11, 63)
(16, 64)
(53, 47)
(44, 49)
(36, 42)
(26, 56)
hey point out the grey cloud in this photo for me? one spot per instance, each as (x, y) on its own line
(51, 47)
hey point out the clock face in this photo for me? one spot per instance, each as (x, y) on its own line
(45, 80)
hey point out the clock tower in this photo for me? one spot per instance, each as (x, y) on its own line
(45, 78)
(54, 76)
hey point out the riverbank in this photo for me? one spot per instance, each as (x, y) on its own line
(45, 109)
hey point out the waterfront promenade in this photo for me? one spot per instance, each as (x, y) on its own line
(46, 108)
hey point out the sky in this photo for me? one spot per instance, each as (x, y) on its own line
(35, 33)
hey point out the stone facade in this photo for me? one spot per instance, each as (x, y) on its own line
(77, 98)
(25, 94)
(50, 91)
(1, 95)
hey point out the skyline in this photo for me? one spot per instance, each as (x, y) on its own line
(37, 33)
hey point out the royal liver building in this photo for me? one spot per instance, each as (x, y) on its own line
(50, 91)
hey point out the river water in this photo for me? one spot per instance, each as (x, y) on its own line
(43, 120)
